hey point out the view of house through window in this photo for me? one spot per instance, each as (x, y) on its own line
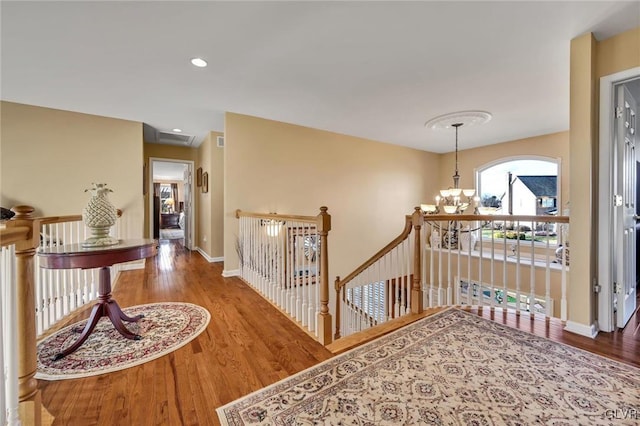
(526, 187)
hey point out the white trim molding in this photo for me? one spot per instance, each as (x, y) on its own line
(605, 194)
(132, 266)
(231, 273)
(590, 331)
(209, 258)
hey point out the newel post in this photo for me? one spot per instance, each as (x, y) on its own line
(324, 317)
(416, 286)
(28, 394)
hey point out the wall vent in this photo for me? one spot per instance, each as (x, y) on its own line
(220, 141)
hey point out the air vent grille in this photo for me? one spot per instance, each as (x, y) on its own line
(174, 138)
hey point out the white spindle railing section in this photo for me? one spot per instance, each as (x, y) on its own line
(380, 292)
(508, 262)
(282, 258)
(8, 337)
(58, 292)
(380, 289)
(518, 263)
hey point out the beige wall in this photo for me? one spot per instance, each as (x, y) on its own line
(49, 157)
(216, 191)
(368, 186)
(590, 60)
(171, 152)
(555, 145)
(209, 234)
(202, 239)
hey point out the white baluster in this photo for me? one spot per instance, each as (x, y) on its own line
(505, 299)
(9, 337)
(518, 293)
(547, 274)
(532, 276)
(492, 280)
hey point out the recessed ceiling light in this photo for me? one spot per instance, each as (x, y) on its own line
(177, 130)
(199, 62)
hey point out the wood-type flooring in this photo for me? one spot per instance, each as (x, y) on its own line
(248, 345)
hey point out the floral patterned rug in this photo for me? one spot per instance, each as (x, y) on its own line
(164, 328)
(452, 368)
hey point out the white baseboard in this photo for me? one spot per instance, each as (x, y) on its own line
(209, 258)
(132, 266)
(590, 331)
(231, 273)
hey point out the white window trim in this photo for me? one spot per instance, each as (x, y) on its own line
(557, 160)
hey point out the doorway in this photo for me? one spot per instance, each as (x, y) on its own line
(618, 189)
(171, 212)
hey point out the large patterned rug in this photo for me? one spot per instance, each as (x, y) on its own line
(164, 328)
(453, 368)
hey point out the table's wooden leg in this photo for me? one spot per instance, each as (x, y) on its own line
(96, 313)
(114, 312)
(114, 305)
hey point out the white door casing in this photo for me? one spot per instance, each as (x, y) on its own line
(189, 227)
(188, 207)
(606, 191)
(624, 297)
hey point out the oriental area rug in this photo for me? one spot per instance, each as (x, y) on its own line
(164, 328)
(452, 368)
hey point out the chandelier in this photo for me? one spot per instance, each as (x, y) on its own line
(455, 200)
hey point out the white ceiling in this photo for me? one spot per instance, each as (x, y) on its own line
(377, 70)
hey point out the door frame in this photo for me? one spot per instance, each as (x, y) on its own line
(606, 216)
(191, 218)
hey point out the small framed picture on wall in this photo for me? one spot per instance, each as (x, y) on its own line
(199, 176)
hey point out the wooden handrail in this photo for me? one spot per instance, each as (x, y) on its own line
(373, 259)
(240, 213)
(13, 235)
(68, 218)
(491, 217)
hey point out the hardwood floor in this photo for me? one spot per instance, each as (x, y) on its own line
(247, 346)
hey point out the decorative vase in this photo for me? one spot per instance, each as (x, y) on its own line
(467, 240)
(435, 239)
(99, 216)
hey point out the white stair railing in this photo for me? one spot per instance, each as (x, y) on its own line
(381, 288)
(508, 262)
(284, 258)
(518, 263)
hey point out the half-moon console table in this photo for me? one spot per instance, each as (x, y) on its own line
(72, 256)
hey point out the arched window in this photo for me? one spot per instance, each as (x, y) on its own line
(528, 185)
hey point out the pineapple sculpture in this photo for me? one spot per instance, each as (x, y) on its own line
(99, 216)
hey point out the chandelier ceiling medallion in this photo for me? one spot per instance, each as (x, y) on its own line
(451, 199)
